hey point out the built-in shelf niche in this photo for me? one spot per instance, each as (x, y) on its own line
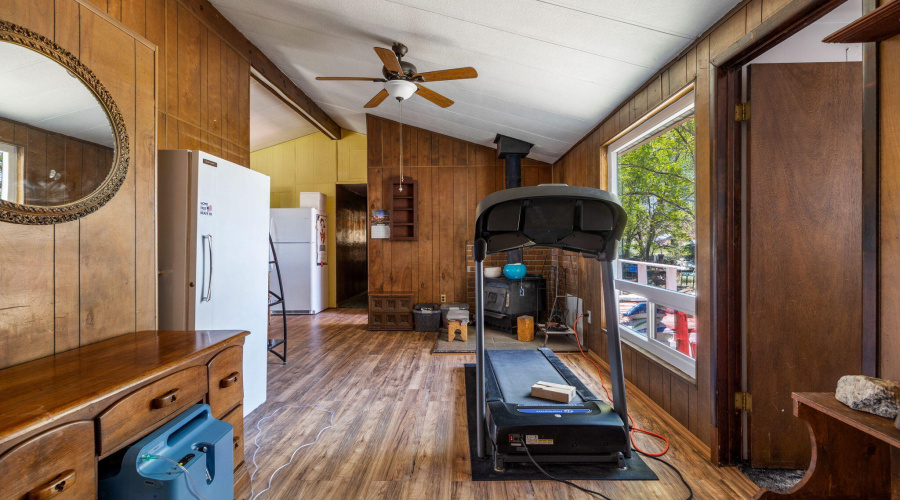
(404, 210)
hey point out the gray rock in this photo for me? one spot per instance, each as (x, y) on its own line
(873, 395)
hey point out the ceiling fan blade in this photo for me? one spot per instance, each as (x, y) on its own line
(350, 78)
(389, 59)
(379, 97)
(434, 96)
(449, 74)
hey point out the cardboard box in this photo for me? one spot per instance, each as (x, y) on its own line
(554, 392)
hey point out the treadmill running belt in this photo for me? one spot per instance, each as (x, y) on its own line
(516, 371)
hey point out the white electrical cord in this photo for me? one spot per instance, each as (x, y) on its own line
(259, 433)
(187, 475)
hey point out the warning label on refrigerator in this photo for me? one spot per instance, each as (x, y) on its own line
(205, 208)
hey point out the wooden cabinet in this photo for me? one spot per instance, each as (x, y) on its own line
(404, 209)
(125, 388)
(390, 311)
(58, 464)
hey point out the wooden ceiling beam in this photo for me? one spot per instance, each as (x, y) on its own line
(263, 66)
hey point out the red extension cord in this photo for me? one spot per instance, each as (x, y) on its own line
(633, 428)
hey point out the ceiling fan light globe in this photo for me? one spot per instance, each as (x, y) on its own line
(400, 89)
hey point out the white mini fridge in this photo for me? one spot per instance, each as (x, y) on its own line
(213, 254)
(299, 237)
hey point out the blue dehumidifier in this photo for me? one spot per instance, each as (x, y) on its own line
(196, 441)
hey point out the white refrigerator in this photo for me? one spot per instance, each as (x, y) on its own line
(213, 254)
(299, 237)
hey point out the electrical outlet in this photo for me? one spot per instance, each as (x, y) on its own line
(587, 316)
(443, 298)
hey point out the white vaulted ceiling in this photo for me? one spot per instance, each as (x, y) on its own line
(272, 121)
(548, 70)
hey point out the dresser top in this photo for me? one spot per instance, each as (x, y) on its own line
(42, 391)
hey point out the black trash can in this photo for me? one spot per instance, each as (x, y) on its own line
(427, 317)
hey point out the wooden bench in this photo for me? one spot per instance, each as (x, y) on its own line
(458, 321)
(851, 452)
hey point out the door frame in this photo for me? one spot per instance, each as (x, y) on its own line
(726, 144)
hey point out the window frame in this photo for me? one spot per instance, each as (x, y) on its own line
(654, 295)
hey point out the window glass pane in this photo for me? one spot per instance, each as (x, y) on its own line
(633, 313)
(656, 183)
(677, 330)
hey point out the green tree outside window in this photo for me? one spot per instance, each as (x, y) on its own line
(657, 187)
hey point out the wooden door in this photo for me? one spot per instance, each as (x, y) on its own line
(804, 248)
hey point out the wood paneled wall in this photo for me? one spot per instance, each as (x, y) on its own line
(80, 165)
(76, 283)
(204, 84)
(889, 142)
(689, 401)
(453, 176)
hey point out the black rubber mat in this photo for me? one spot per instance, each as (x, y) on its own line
(483, 469)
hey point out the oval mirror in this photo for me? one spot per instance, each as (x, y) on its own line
(63, 145)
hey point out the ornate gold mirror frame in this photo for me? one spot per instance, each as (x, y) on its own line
(29, 214)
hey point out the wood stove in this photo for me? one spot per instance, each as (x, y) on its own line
(505, 300)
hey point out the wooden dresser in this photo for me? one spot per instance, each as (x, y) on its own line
(61, 414)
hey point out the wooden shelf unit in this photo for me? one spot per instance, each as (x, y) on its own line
(404, 210)
(880, 24)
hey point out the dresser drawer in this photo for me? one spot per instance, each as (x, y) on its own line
(58, 464)
(226, 380)
(236, 418)
(150, 404)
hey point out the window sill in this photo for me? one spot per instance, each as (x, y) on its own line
(641, 346)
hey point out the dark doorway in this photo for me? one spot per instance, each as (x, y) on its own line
(350, 236)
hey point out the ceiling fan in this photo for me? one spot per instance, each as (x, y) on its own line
(402, 80)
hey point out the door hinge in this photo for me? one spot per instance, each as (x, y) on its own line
(743, 401)
(742, 112)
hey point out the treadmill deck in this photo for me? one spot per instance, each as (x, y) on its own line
(584, 430)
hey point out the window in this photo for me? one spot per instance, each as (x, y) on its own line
(652, 170)
(9, 169)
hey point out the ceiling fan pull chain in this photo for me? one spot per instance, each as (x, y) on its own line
(401, 144)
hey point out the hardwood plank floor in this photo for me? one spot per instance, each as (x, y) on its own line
(399, 424)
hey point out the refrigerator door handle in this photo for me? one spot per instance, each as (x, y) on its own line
(209, 280)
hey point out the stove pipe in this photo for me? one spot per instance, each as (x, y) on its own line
(512, 150)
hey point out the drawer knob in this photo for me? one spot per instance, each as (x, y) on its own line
(165, 400)
(237, 442)
(53, 487)
(230, 380)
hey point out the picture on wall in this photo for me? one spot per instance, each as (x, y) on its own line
(381, 224)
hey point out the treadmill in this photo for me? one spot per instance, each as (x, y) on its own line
(578, 219)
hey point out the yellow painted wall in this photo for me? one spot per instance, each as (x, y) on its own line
(314, 163)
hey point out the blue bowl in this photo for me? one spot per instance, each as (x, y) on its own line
(514, 271)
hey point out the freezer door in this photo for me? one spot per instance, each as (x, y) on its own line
(292, 225)
(240, 276)
(206, 214)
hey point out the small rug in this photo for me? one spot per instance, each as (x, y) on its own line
(483, 468)
(773, 479)
(495, 339)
